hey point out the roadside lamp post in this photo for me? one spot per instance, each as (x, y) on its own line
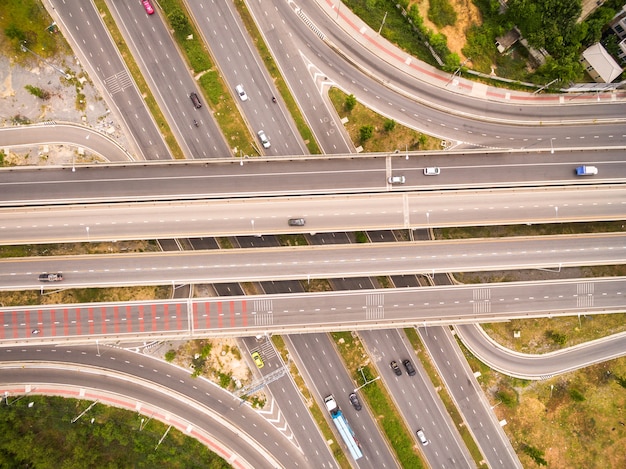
(366, 381)
(551, 146)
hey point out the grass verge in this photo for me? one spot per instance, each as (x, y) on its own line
(443, 394)
(157, 115)
(279, 82)
(384, 410)
(574, 420)
(385, 135)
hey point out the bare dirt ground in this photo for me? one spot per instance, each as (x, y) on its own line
(467, 15)
(74, 100)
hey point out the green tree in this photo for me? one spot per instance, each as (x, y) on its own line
(366, 132)
(179, 22)
(390, 124)
(350, 102)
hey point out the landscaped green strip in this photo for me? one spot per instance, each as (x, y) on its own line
(314, 409)
(220, 100)
(451, 408)
(378, 399)
(157, 115)
(279, 82)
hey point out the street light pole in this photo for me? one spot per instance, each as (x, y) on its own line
(551, 146)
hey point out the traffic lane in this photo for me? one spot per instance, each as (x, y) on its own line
(276, 24)
(308, 177)
(91, 385)
(251, 425)
(64, 134)
(321, 214)
(168, 77)
(223, 31)
(327, 311)
(469, 397)
(417, 400)
(538, 366)
(91, 41)
(287, 411)
(325, 373)
(329, 261)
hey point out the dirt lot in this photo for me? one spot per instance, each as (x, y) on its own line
(467, 15)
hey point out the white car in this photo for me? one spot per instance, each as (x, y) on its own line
(422, 437)
(241, 92)
(396, 180)
(264, 140)
(432, 171)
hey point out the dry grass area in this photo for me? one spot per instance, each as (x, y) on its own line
(572, 421)
(544, 335)
(75, 249)
(467, 15)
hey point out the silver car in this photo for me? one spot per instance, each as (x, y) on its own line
(264, 140)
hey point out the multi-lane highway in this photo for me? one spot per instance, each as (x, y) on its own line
(307, 176)
(316, 262)
(329, 311)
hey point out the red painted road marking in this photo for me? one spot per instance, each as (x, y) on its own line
(53, 324)
(207, 314)
(129, 320)
(79, 329)
(40, 318)
(244, 312)
(103, 319)
(15, 328)
(219, 314)
(141, 319)
(166, 324)
(232, 314)
(116, 319)
(195, 316)
(2, 325)
(179, 318)
(90, 321)
(66, 323)
(154, 316)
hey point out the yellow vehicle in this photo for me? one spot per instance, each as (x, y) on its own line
(256, 356)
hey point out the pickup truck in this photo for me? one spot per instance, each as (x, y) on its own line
(50, 277)
(586, 170)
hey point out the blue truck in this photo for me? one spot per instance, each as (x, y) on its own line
(346, 433)
(585, 170)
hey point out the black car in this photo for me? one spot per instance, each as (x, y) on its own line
(355, 401)
(396, 369)
(195, 100)
(50, 277)
(409, 367)
(296, 222)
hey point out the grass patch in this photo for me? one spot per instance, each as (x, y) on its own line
(65, 249)
(27, 21)
(444, 395)
(542, 335)
(379, 400)
(381, 140)
(292, 240)
(135, 72)
(279, 82)
(39, 432)
(503, 231)
(574, 420)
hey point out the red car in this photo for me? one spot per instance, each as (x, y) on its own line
(148, 6)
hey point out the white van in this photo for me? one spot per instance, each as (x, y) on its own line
(432, 171)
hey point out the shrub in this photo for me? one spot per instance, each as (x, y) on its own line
(390, 124)
(576, 395)
(441, 13)
(366, 132)
(36, 91)
(350, 102)
(170, 355)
